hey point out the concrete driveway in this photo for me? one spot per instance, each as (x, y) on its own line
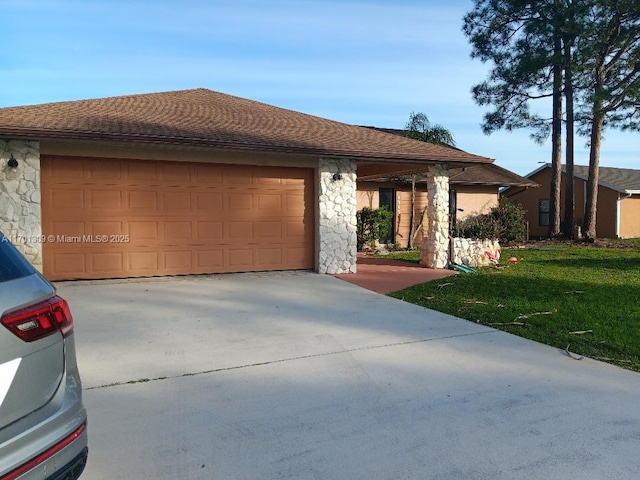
(304, 376)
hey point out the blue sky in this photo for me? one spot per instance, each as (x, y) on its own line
(366, 62)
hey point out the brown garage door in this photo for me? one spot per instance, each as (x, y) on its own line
(112, 218)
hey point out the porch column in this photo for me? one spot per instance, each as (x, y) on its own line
(336, 240)
(20, 212)
(434, 250)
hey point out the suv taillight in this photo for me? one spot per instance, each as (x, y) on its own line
(40, 320)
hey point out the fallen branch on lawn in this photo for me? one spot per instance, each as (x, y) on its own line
(511, 324)
(474, 301)
(607, 359)
(574, 292)
(444, 285)
(527, 315)
(580, 332)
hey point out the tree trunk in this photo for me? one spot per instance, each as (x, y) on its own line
(569, 193)
(556, 141)
(412, 220)
(594, 164)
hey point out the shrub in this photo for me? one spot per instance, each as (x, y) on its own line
(505, 223)
(373, 225)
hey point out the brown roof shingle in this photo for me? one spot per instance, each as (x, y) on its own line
(488, 175)
(203, 117)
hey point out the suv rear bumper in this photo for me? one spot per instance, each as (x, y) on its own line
(73, 469)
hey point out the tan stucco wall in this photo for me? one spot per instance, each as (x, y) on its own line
(630, 217)
(606, 215)
(475, 200)
(368, 196)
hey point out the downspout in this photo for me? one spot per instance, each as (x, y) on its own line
(618, 212)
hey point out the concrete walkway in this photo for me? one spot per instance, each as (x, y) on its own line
(304, 376)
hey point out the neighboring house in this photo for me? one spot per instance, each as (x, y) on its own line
(196, 181)
(474, 190)
(618, 214)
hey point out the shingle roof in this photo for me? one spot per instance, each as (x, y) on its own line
(624, 180)
(488, 175)
(203, 117)
(483, 174)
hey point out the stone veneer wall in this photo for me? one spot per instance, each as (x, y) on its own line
(473, 253)
(337, 240)
(20, 212)
(434, 250)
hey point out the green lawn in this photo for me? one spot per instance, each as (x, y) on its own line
(582, 299)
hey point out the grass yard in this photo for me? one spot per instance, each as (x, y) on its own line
(582, 299)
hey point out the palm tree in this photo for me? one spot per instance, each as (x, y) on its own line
(419, 128)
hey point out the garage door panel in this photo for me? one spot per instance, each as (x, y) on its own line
(175, 173)
(295, 256)
(269, 258)
(67, 198)
(143, 262)
(209, 201)
(269, 204)
(176, 231)
(240, 202)
(209, 260)
(64, 171)
(102, 171)
(178, 261)
(238, 175)
(143, 231)
(266, 231)
(239, 232)
(142, 201)
(69, 263)
(240, 259)
(109, 228)
(143, 172)
(176, 201)
(208, 176)
(110, 200)
(209, 231)
(108, 264)
(61, 229)
(295, 205)
(166, 218)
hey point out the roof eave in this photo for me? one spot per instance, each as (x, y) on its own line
(38, 134)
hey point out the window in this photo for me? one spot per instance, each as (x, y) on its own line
(387, 199)
(453, 208)
(543, 212)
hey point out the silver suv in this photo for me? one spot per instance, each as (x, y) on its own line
(43, 424)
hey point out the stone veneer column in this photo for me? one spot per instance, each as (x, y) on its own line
(434, 251)
(20, 212)
(336, 239)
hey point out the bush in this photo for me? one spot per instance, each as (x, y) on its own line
(505, 223)
(373, 224)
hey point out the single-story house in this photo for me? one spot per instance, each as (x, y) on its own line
(473, 190)
(196, 181)
(618, 205)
